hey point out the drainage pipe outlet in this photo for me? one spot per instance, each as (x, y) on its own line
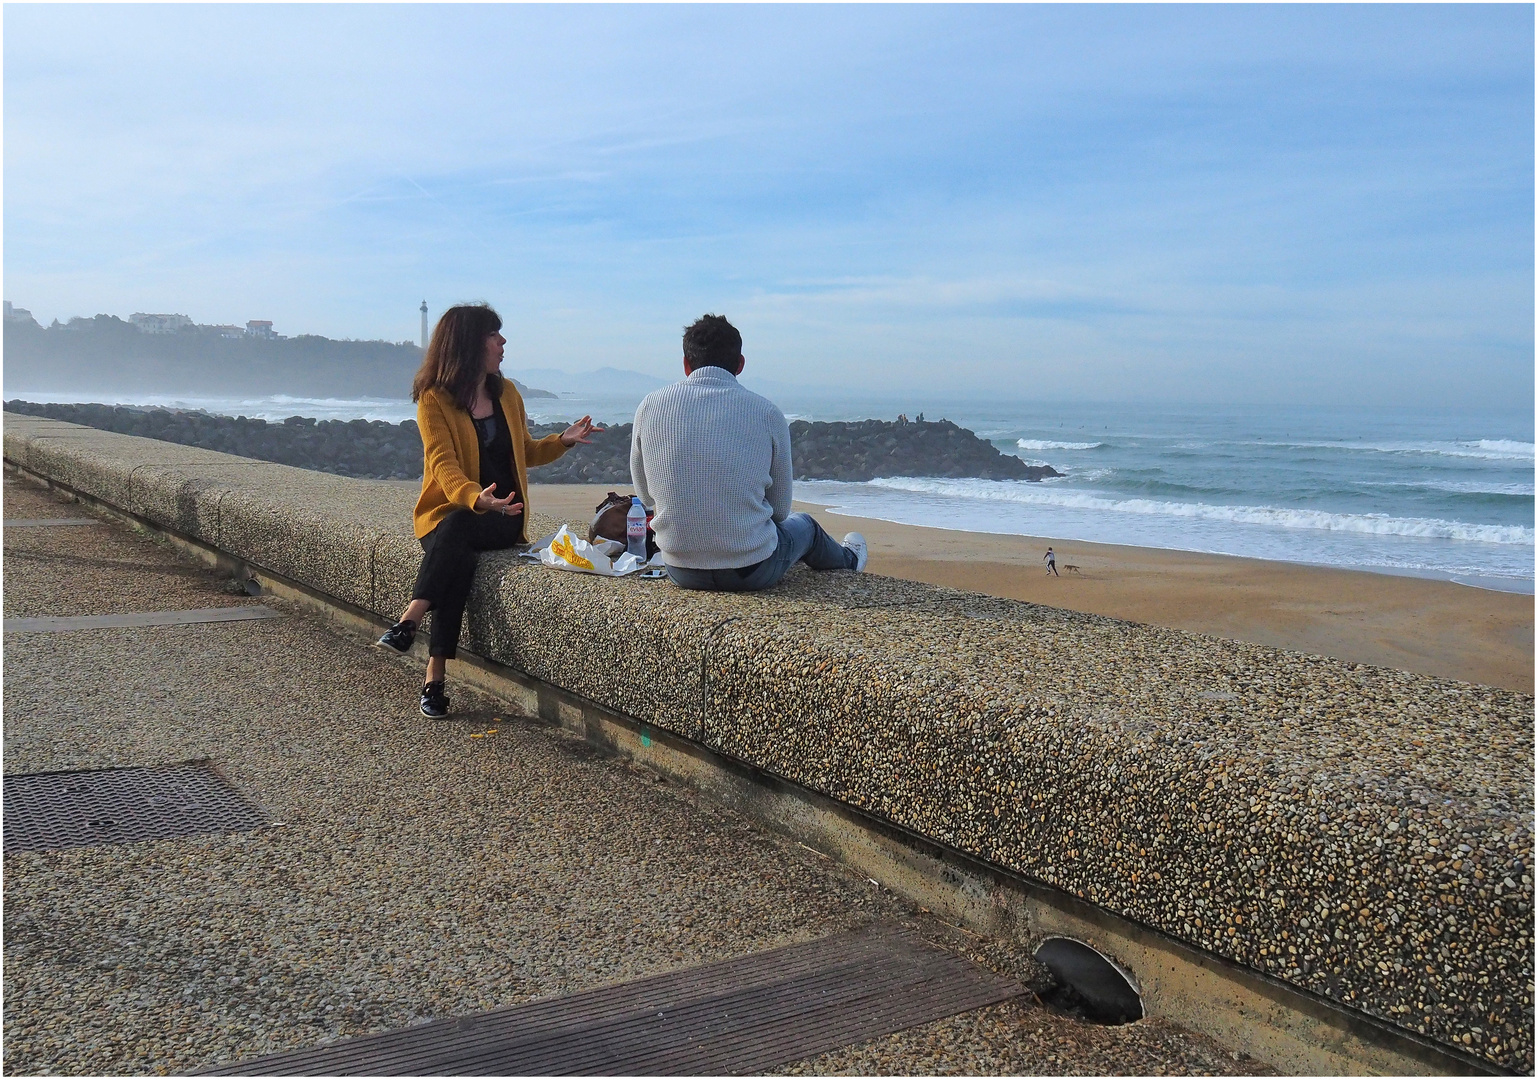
(1105, 991)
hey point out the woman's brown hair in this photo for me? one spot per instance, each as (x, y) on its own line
(455, 361)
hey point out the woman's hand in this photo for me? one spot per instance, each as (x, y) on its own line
(488, 503)
(579, 432)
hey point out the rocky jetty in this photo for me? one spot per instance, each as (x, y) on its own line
(363, 448)
(868, 449)
(861, 450)
(606, 460)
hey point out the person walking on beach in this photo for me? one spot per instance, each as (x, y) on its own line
(476, 449)
(1051, 560)
(714, 459)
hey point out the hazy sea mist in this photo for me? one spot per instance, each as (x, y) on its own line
(1447, 495)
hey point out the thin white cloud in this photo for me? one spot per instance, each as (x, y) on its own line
(1231, 199)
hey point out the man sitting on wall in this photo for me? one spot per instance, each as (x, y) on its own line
(714, 459)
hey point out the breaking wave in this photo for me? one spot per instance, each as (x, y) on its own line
(1483, 449)
(1457, 487)
(1048, 444)
(1018, 492)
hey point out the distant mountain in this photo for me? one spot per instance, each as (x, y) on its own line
(107, 355)
(625, 381)
(773, 389)
(616, 380)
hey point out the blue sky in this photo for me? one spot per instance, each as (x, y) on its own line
(1299, 203)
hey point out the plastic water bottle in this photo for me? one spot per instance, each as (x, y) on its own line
(635, 528)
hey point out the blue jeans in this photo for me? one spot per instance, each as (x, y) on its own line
(801, 540)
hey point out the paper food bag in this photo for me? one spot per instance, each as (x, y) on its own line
(568, 551)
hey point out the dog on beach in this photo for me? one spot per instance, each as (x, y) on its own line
(1070, 566)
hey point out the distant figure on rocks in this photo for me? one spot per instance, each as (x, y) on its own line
(476, 449)
(714, 459)
(1051, 560)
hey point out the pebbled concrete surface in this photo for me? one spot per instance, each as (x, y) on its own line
(1358, 832)
(1362, 833)
(422, 869)
(90, 569)
(1020, 1039)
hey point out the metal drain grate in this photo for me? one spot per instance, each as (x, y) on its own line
(45, 811)
(732, 1017)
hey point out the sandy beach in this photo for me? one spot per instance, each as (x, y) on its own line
(1415, 624)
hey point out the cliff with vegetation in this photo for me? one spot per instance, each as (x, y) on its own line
(107, 355)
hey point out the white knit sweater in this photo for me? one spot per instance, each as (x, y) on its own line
(714, 459)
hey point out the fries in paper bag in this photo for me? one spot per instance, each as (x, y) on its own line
(568, 551)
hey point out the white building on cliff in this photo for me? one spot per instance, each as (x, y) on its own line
(158, 324)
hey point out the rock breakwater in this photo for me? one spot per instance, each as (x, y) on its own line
(868, 449)
(360, 448)
(860, 450)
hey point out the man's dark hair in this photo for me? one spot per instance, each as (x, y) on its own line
(712, 342)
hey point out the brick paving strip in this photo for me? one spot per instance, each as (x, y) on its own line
(39, 523)
(727, 1018)
(135, 619)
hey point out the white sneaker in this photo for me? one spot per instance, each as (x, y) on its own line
(856, 543)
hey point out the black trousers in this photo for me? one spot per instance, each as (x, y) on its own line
(450, 553)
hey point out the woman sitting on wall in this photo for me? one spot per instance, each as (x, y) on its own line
(476, 450)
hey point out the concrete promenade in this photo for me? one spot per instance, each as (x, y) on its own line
(422, 869)
(1322, 863)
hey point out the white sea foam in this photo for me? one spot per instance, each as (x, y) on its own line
(1459, 487)
(1484, 449)
(1019, 492)
(1048, 444)
(1506, 448)
(273, 407)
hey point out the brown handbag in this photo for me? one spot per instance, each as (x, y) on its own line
(609, 523)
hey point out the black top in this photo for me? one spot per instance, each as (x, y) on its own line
(496, 452)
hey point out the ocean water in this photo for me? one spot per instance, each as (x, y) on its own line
(1430, 495)
(1437, 494)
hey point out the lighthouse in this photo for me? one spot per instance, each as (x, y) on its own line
(424, 324)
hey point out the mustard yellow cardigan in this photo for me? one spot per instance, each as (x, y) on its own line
(451, 455)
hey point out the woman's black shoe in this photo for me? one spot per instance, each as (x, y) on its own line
(399, 637)
(435, 702)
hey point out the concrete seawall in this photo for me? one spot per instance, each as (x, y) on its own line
(1358, 835)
